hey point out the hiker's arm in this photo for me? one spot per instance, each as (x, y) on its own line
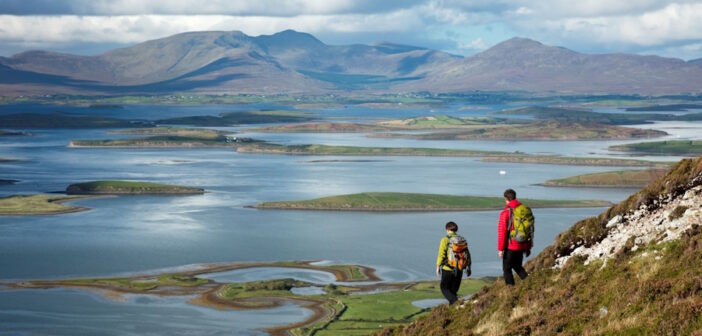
(501, 231)
(468, 263)
(442, 254)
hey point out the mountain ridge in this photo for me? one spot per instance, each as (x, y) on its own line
(293, 62)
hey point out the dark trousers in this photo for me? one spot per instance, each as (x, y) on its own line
(450, 282)
(512, 260)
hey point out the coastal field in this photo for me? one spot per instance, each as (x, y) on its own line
(389, 201)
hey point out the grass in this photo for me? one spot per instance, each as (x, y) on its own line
(574, 161)
(619, 179)
(61, 120)
(654, 290)
(40, 204)
(238, 118)
(129, 187)
(161, 141)
(440, 121)
(587, 116)
(388, 201)
(670, 147)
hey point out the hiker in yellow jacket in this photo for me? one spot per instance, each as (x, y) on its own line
(453, 258)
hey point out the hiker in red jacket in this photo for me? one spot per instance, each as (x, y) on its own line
(511, 252)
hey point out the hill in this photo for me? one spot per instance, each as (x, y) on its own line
(290, 62)
(633, 270)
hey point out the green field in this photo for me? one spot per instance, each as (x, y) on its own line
(389, 201)
(670, 147)
(128, 187)
(41, 204)
(587, 116)
(617, 179)
(440, 121)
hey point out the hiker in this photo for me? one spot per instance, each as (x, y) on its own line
(515, 232)
(453, 258)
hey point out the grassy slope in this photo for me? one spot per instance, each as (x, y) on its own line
(670, 147)
(622, 178)
(658, 293)
(135, 187)
(408, 201)
(36, 205)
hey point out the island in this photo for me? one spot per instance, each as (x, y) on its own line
(665, 108)
(587, 116)
(239, 118)
(614, 179)
(203, 133)
(544, 130)
(335, 310)
(271, 148)
(405, 202)
(38, 204)
(575, 161)
(12, 133)
(669, 147)
(129, 188)
(63, 120)
(7, 181)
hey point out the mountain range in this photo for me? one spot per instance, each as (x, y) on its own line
(291, 62)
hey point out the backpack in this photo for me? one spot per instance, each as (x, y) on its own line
(521, 223)
(457, 253)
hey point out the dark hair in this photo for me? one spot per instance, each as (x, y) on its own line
(510, 194)
(451, 226)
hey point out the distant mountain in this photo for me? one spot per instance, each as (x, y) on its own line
(293, 62)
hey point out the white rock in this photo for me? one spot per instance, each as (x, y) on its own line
(614, 221)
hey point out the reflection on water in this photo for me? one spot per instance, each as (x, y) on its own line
(267, 273)
(75, 312)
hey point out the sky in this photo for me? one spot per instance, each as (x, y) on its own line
(88, 27)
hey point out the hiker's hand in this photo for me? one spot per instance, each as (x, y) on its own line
(500, 253)
(438, 271)
(527, 253)
(468, 273)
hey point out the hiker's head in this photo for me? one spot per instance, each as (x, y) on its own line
(510, 195)
(451, 226)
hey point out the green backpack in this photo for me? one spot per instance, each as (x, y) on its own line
(521, 224)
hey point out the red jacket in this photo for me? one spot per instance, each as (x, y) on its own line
(502, 231)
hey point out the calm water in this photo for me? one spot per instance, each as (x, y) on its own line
(141, 233)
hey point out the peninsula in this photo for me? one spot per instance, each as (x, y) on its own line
(129, 188)
(405, 202)
(38, 204)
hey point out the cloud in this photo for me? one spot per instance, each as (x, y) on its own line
(457, 26)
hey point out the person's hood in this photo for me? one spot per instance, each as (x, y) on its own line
(513, 204)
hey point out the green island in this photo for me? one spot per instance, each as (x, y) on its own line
(418, 123)
(669, 147)
(202, 133)
(665, 107)
(129, 188)
(270, 148)
(391, 201)
(238, 118)
(62, 120)
(614, 179)
(575, 161)
(543, 130)
(587, 116)
(39, 204)
(337, 310)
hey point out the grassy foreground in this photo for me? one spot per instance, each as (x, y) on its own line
(670, 147)
(390, 201)
(128, 188)
(616, 179)
(21, 205)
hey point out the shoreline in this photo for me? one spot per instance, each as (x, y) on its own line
(69, 208)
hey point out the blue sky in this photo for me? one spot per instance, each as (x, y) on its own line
(667, 28)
